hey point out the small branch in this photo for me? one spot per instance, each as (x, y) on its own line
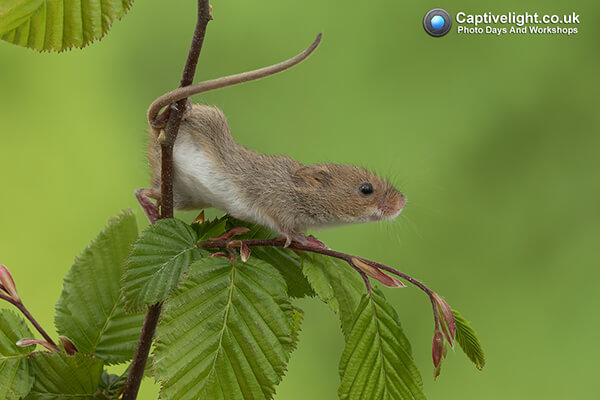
(367, 281)
(27, 314)
(436, 317)
(140, 358)
(172, 129)
(222, 244)
(228, 244)
(41, 330)
(138, 365)
(403, 276)
(7, 298)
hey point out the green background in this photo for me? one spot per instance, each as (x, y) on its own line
(494, 140)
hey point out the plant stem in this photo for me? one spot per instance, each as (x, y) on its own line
(223, 244)
(41, 330)
(138, 365)
(140, 358)
(177, 110)
(228, 244)
(27, 314)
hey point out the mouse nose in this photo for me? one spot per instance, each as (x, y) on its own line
(392, 205)
(401, 201)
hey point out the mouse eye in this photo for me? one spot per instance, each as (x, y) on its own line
(366, 188)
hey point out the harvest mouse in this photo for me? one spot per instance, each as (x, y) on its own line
(212, 170)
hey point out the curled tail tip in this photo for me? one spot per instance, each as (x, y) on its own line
(316, 42)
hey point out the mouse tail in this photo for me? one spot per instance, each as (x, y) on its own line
(186, 91)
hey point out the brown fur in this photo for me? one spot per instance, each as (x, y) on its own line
(293, 195)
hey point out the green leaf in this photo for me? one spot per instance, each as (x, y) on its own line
(210, 228)
(297, 316)
(468, 341)
(336, 284)
(59, 376)
(288, 265)
(16, 376)
(91, 310)
(58, 24)
(226, 333)
(111, 384)
(286, 261)
(158, 262)
(377, 363)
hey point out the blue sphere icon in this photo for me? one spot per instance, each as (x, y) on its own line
(438, 22)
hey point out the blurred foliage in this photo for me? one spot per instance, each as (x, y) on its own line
(494, 140)
(53, 25)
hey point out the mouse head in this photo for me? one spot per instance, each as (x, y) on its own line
(346, 194)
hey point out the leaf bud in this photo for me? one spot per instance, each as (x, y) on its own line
(376, 273)
(68, 345)
(8, 284)
(31, 342)
(447, 318)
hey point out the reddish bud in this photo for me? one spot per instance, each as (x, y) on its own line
(69, 347)
(232, 255)
(31, 342)
(447, 318)
(218, 255)
(238, 230)
(437, 349)
(244, 252)
(376, 273)
(8, 284)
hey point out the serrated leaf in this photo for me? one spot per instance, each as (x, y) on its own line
(297, 317)
(61, 377)
(111, 384)
(158, 262)
(288, 265)
(336, 284)
(16, 376)
(468, 341)
(90, 311)
(46, 25)
(286, 261)
(226, 333)
(377, 363)
(211, 228)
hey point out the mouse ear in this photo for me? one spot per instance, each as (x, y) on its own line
(312, 175)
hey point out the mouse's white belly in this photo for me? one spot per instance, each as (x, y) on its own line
(197, 184)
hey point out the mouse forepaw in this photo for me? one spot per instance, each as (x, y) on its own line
(302, 239)
(160, 122)
(290, 237)
(144, 197)
(314, 242)
(288, 241)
